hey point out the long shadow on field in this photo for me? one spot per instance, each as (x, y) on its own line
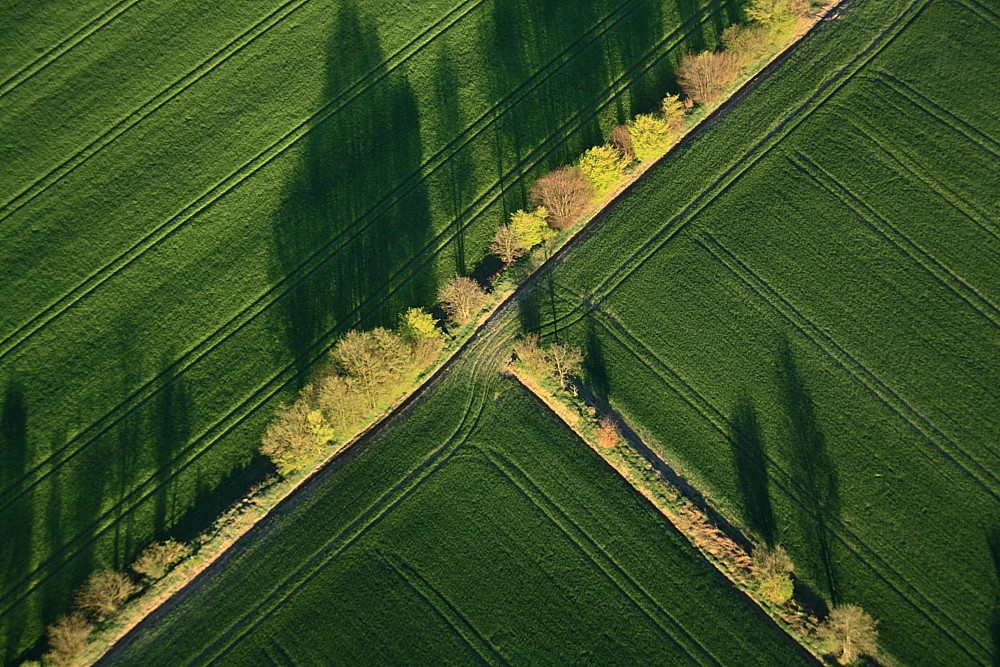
(751, 466)
(15, 543)
(993, 541)
(595, 368)
(171, 435)
(343, 198)
(812, 469)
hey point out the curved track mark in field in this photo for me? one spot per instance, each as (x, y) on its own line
(281, 288)
(761, 149)
(903, 91)
(980, 11)
(944, 276)
(790, 487)
(339, 543)
(910, 166)
(927, 430)
(177, 220)
(135, 117)
(357, 315)
(57, 51)
(600, 559)
(445, 610)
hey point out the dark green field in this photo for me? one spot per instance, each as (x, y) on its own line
(801, 308)
(477, 529)
(197, 198)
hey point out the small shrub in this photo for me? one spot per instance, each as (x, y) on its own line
(746, 43)
(158, 558)
(621, 139)
(67, 639)
(673, 112)
(703, 76)
(777, 15)
(461, 299)
(532, 356)
(565, 193)
(773, 568)
(848, 632)
(104, 593)
(607, 433)
(651, 136)
(507, 245)
(531, 227)
(603, 167)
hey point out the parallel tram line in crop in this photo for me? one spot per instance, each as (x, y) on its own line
(927, 430)
(824, 180)
(176, 221)
(981, 11)
(67, 44)
(761, 149)
(135, 117)
(601, 560)
(789, 486)
(288, 373)
(445, 610)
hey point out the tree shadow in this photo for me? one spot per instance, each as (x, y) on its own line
(595, 368)
(17, 528)
(811, 467)
(751, 466)
(356, 210)
(993, 542)
(172, 432)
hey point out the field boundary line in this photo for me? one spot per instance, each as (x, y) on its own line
(791, 488)
(515, 174)
(921, 102)
(445, 609)
(865, 377)
(944, 192)
(147, 108)
(826, 90)
(247, 315)
(596, 554)
(66, 45)
(174, 222)
(824, 180)
(980, 11)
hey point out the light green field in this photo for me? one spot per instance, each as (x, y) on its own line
(477, 529)
(801, 308)
(196, 199)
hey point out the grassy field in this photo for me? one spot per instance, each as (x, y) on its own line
(195, 201)
(801, 307)
(476, 529)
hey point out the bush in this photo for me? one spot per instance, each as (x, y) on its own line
(848, 632)
(673, 113)
(607, 433)
(420, 329)
(531, 228)
(507, 245)
(157, 559)
(462, 298)
(532, 356)
(776, 15)
(104, 593)
(703, 76)
(773, 568)
(603, 167)
(67, 639)
(621, 139)
(296, 437)
(746, 43)
(565, 194)
(651, 136)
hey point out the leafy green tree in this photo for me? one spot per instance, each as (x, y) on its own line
(773, 568)
(651, 136)
(776, 15)
(673, 113)
(603, 167)
(532, 356)
(531, 227)
(420, 329)
(849, 632)
(372, 361)
(746, 43)
(342, 404)
(296, 437)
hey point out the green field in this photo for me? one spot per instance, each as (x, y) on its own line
(196, 199)
(475, 529)
(801, 308)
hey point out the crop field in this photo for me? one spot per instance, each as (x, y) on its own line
(801, 309)
(197, 198)
(476, 529)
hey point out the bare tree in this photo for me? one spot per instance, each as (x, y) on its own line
(532, 356)
(67, 639)
(621, 139)
(849, 632)
(296, 436)
(506, 245)
(104, 592)
(462, 298)
(565, 193)
(703, 76)
(566, 361)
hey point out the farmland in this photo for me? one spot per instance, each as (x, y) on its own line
(802, 313)
(196, 200)
(476, 528)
